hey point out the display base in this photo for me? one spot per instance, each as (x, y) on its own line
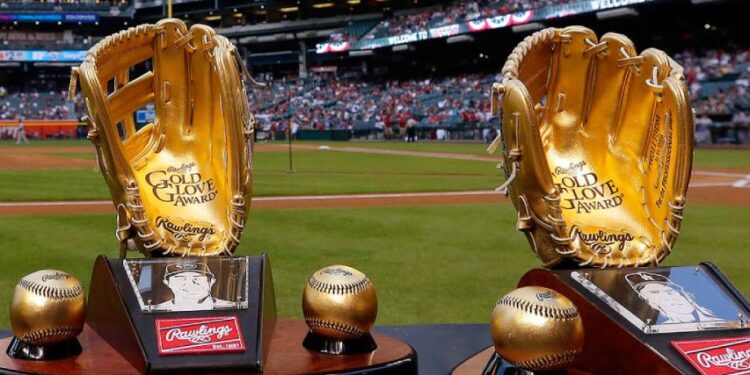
(286, 355)
(21, 350)
(488, 362)
(118, 317)
(318, 343)
(611, 343)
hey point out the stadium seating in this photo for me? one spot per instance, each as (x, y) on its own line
(327, 102)
(59, 5)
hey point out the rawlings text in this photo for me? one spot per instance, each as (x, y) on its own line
(199, 335)
(601, 242)
(721, 356)
(184, 232)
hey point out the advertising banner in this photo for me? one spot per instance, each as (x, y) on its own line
(480, 24)
(42, 56)
(49, 17)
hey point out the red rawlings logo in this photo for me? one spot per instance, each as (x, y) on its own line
(717, 356)
(219, 334)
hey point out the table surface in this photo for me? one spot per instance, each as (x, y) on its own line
(439, 347)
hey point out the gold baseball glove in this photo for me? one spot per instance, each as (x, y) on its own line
(181, 184)
(598, 144)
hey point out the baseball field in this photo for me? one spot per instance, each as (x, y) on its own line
(420, 219)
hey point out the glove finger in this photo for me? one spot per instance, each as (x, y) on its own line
(569, 78)
(677, 102)
(638, 118)
(236, 119)
(227, 79)
(531, 187)
(172, 83)
(609, 84)
(671, 150)
(530, 62)
(205, 99)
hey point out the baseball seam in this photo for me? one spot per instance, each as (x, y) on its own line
(548, 361)
(538, 309)
(340, 327)
(52, 292)
(346, 288)
(40, 334)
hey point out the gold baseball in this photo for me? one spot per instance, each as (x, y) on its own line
(339, 303)
(537, 329)
(48, 307)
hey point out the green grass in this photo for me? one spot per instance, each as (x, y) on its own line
(51, 185)
(722, 159)
(315, 173)
(430, 264)
(321, 172)
(704, 158)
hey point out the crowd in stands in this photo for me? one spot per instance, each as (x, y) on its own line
(719, 82)
(34, 4)
(718, 79)
(347, 103)
(455, 12)
(50, 105)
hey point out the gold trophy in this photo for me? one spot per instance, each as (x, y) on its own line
(597, 147)
(181, 184)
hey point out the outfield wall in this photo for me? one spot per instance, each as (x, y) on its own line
(44, 128)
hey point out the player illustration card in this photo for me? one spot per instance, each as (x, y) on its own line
(667, 299)
(189, 284)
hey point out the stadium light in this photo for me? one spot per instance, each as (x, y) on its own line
(308, 34)
(401, 47)
(360, 53)
(460, 39)
(321, 33)
(614, 13)
(322, 5)
(531, 26)
(352, 2)
(288, 9)
(213, 18)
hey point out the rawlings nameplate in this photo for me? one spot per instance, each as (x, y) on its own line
(218, 334)
(723, 356)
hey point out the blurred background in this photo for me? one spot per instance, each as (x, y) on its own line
(363, 69)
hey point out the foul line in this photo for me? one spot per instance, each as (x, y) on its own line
(293, 198)
(376, 196)
(279, 198)
(720, 174)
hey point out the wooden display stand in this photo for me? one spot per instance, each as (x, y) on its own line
(286, 355)
(121, 338)
(613, 345)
